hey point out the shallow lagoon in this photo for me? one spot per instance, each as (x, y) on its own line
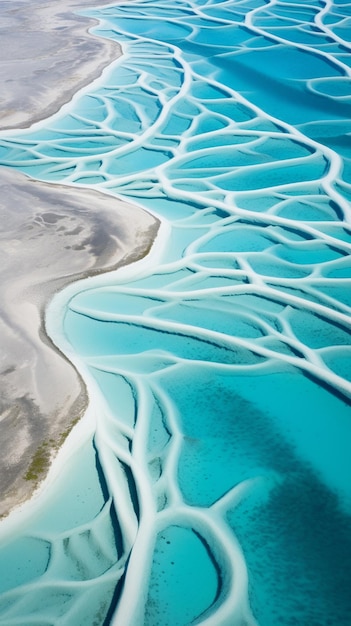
(216, 454)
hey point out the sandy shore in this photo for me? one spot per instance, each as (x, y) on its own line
(56, 235)
(50, 236)
(47, 55)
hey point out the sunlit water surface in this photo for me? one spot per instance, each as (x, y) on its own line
(213, 486)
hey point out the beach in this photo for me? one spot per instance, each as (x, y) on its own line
(47, 56)
(50, 236)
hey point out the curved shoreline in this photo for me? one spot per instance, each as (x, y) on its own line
(52, 55)
(48, 54)
(58, 235)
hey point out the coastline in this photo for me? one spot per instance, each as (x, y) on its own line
(49, 57)
(57, 236)
(48, 54)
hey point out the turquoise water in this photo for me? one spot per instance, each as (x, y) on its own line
(215, 486)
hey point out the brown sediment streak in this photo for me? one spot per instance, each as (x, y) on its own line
(47, 55)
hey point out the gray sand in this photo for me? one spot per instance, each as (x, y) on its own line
(46, 56)
(50, 235)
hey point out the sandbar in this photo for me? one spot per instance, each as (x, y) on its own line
(50, 235)
(47, 55)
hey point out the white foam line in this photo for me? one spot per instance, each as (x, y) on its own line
(233, 607)
(129, 612)
(110, 455)
(329, 5)
(60, 585)
(268, 35)
(226, 341)
(329, 301)
(254, 289)
(174, 447)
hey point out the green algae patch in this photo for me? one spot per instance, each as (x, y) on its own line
(40, 462)
(42, 458)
